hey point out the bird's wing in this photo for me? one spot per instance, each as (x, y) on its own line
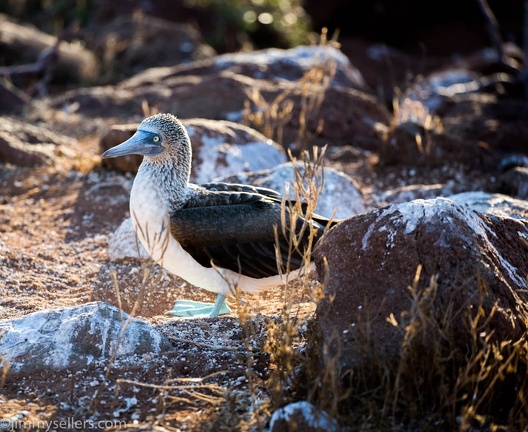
(236, 230)
(268, 193)
(236, 187)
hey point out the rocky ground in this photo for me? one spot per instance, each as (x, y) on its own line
(459, 130)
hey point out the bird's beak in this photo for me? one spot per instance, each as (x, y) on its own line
(141, 143)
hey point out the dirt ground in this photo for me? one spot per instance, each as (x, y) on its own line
(55, 225)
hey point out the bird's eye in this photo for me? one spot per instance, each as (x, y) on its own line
(156, 139)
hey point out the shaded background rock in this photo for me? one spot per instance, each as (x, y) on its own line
(128, 44)
(24, 44)
(515, 182)
(13, 100)
(24, 144)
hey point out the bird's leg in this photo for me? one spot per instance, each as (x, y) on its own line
(219, 304)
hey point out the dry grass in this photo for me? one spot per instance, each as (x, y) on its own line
(285, 337)
(434, 382)
(299, 103)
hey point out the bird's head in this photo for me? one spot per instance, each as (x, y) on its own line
(159, 137)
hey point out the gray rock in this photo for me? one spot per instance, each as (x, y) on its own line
(515, 182)
(340, 196)
(125, 244)
(75, 337)
(493, 204)
(302, 416)
(222, 147)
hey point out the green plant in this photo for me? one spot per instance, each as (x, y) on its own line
(50, 15)
(261, 23)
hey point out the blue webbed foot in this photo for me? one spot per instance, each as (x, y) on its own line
(189, 308)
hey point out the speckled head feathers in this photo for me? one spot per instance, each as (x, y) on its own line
(164, 124)
(174, 135)
(173, 165)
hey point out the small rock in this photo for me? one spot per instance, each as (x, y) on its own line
(125, 244)
(302, 416)
(515, 182)
(75, 337)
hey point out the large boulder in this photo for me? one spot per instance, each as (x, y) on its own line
(469, 262)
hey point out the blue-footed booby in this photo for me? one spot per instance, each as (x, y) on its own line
(216, 236)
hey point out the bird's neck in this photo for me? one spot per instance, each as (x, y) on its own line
(170, 182)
